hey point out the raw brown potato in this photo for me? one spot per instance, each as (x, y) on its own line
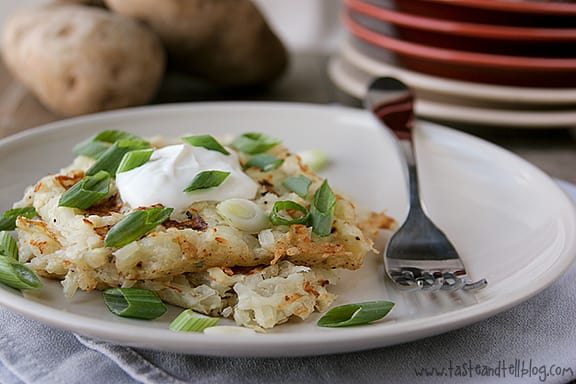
(227, 42)
(77, 59)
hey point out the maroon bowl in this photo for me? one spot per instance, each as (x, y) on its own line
(497, 12)
(467, 66)
(493, 39)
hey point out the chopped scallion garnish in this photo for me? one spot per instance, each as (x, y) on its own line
(111, 158)
(134, 302)
(17, 275)
(135, 225)
(207, 179)
(288, 212)
(134, 159)
(243, 214)
(190, 321)
(8, 246)
(264, 161)
(355, 314)
(206, 141)
(95, 146)
(92, 149)
(86, 192)
(253, 143)
(8, 219)
(314, 159)
(322, 210)
(111, 136)
(299, 185)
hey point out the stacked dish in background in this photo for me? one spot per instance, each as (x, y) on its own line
(487, 62)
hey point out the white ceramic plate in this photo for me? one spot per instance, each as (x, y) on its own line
(512, 224)
(354, 81)
(462, 89)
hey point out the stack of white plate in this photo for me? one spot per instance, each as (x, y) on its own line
(450, 66)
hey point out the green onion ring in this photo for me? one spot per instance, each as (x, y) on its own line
(86, 192)
(277, 218)
(17, 275)
(8, 246)
(207, 179)
(134, 302)
(8, 219)
(206, 141)
(135, 225)
(190, 321)
(355, 314)
(253, 143)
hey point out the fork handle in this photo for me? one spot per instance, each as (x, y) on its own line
(407, 146)
(397, 113)
(412, 176)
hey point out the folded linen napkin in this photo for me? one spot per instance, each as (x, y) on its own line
(530, 343)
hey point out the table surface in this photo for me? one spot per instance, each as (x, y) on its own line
(552, 150)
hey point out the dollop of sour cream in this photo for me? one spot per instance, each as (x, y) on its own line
(170, 170)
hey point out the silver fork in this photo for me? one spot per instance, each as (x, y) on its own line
(418, 256)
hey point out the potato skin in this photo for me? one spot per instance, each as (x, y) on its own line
(226, 42)
(77, 59)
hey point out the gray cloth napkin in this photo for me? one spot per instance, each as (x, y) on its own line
(535, 342)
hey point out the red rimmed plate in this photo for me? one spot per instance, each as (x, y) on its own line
(472, 37)
(495, 12)
(469, 66)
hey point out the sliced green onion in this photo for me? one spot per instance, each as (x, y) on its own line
(135, 225)
(8, 219)
(190, 321)
(134, 159)
(134, 302)
(355, 314)
(111, 136)
(206, 141)
(322, 210)
(8, 246)
(207, 179)
(289, 212)
(299, 185)
(17, 275)
(86, 192)
(89, 148)
(253, 143)
(111, 158)
(264, 161)
(315, 160)
(97, 145)
(243, 214)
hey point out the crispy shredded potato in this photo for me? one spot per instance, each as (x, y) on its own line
(196, 259)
